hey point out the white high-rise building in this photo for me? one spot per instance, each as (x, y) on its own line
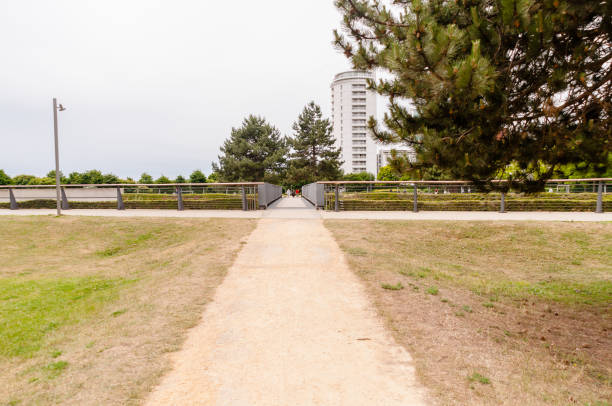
(352, 105)
(384, 155)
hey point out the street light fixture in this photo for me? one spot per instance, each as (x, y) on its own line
(57, 170)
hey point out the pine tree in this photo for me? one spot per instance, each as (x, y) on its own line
(493, 83)
(254, 152)
(313, 155)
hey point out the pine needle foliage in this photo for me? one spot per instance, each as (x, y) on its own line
(313, 156)
(492, 83)
(255, 152)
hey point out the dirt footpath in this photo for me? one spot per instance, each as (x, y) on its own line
(290, 325)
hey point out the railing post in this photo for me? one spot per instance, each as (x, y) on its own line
(336, 195)
(415, 204)
(244, 200)
(65, 205)
(502, 205)
(179, 197)
(120, 205)
(599, 208)
(12, 199)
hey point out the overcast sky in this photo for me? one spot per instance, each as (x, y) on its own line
(155, 85)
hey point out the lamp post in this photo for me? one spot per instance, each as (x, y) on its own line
(57, 170)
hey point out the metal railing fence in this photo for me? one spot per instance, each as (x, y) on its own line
(180, 196)
(268, 194)
(559, 195)
(315, 194)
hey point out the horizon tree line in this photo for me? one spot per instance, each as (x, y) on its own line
(256, 151)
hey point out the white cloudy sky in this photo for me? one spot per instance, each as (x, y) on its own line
(155, 85)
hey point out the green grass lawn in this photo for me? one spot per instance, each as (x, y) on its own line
(90, 306)
(494, 312)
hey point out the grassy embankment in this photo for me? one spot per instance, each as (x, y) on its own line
(494, 313)
(90, 307)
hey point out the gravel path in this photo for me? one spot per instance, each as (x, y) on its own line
(290, 325)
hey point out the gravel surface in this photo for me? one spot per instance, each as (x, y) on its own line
(290, 325)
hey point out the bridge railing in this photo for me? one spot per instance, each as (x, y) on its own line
(559, 195)
(180, 196)
(314, 193)
(268, 194)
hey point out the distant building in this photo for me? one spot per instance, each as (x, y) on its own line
(384, 155)
(352, 105)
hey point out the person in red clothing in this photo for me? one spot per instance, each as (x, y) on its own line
(297, 192)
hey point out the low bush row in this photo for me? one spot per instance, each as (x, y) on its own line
(470, 196)
(207, 204)
(474, 205)
(186, 196)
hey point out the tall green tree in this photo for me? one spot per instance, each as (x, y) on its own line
(145, 178)
(51, 175)
(92, 176)
(4, 178)
(110, 179)
(163, 179)
(492, 83)
(313, 154)
(25, 180)
(74, 178)
(359, 176)
(254, 152)
(387, 173)
(197, 176)
(213, 178)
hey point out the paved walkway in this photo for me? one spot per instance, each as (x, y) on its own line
(298, 208)
(290, 325)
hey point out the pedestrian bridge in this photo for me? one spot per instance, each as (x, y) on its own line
(291, 207)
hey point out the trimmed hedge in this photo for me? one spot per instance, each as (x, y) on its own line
(471, 196)
(474, 205)
(394, 201)
(186, 196)
(201, 204)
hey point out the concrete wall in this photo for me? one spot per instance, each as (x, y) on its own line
(76, 194)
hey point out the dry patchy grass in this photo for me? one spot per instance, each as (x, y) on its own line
(494, 313)
(90, 307)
